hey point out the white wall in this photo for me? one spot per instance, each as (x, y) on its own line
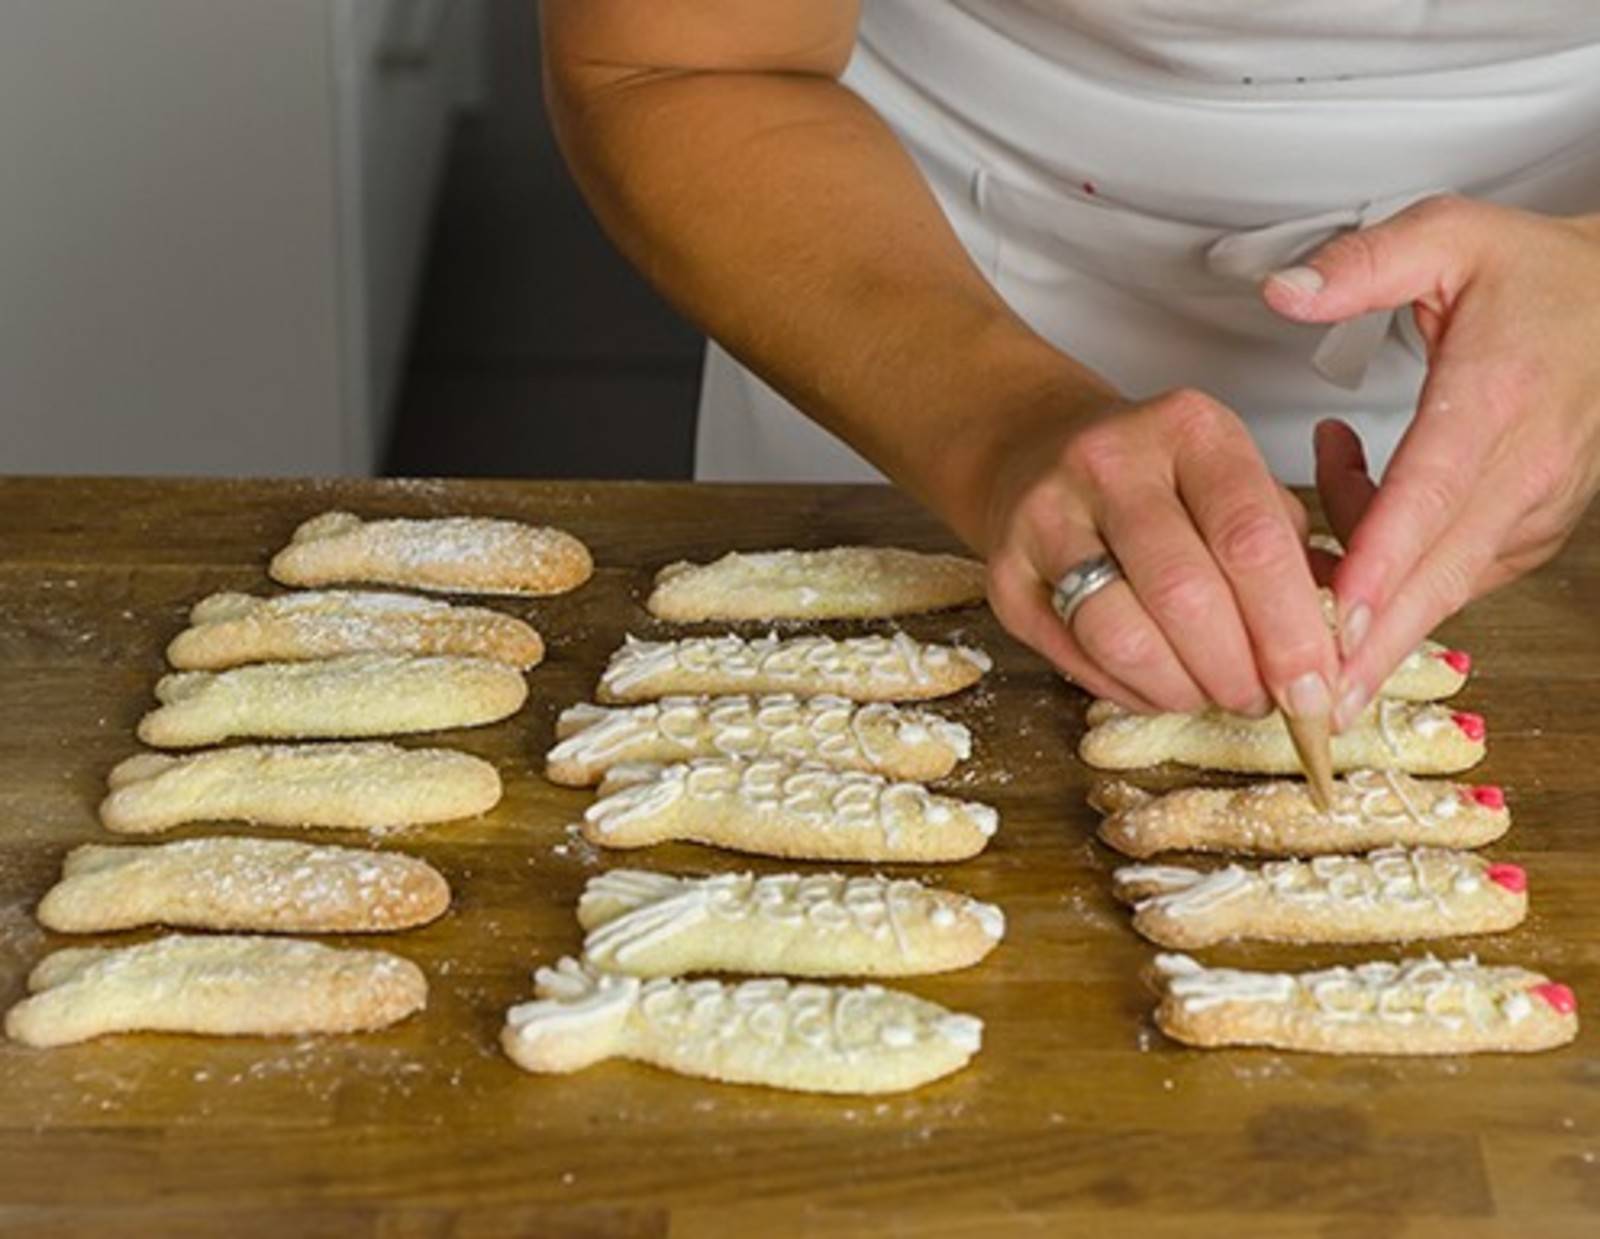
(166, 192)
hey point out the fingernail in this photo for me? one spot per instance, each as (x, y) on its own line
(1303, 279)
(1353, 631)
(1351, 704)
(1307, 697)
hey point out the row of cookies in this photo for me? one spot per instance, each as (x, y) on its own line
(313, 664)
(1388, 860)
(799, 747)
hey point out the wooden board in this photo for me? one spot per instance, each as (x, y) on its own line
(1077, 1118)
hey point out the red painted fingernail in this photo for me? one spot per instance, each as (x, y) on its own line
(1472, 725)
(1489, 796)
(1513, 877)
(1558, 996)
(1458, 661)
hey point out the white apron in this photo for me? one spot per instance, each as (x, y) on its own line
(1125, 173)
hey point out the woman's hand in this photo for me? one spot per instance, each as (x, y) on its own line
(1217, 603)
(1503, 455)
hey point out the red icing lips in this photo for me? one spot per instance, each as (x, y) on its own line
(1472, 725)
(1489, 796)
(1513, 877)
(1458, 661)
(1558, 996)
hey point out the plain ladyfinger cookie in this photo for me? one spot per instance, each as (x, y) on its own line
(267, 885)
(815, 925)
(772, 808)
(899, 741)
(454, 554)
(806, 1037)
(370, 786)
(1391, 895)
(1417, 737)
(897, 668)
(1371, 809)
(357, 695)
(843, 582)
(218, 985)
(1413, 1006)
(227, 630)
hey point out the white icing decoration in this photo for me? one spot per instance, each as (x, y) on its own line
(832, 729)
(1390, 877)
(658, 908)
(826, 799)
(795, 660)
(1447, 994)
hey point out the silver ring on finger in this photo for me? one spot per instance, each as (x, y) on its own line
(1082, 581)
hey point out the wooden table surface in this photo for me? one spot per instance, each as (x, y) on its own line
(1077, 1117)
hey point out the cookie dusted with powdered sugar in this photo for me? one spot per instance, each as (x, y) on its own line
(227, 630)
(897, 668)
(1419, 738)
(1371, 809)
(357, 695)
(772, 808)
(812, 925)
(1391, 895)
(452, 554)
(266, 885)
(1414, 1006)
(368, 786)
(844, 582)
(807, 1037)
(898, 741)
(216, 985)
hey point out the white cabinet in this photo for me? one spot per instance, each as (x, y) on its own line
(212, 223)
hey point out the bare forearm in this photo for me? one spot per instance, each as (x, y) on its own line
(780, 213)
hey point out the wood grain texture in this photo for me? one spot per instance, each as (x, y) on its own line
(1077, 1118)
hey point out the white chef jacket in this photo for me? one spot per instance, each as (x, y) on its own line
(1126, 171)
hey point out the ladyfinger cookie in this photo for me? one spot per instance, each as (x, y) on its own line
(1421, 738)
(1431, 672)
(806, 1037)
(1413, 1006)
(370, 786)
(813, 925)
(1371, 809)
(270, 885)
(772, 808)
(453, 554)
(844, 582)
(899, 741)
(219, 985)
(227, 630)
(357, 695)
(1391, 895)
(897, 668)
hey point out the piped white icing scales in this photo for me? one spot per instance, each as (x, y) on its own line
(631, 912)
(834, 731)
(1446, 994)
(801, 664)
(824, 799)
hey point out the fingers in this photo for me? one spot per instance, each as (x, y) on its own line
(1178, 587)
(1237, 507)
(1430, 485)
(1421, 254)
(1454, 571)
(1343, 482)
(1021, 598)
